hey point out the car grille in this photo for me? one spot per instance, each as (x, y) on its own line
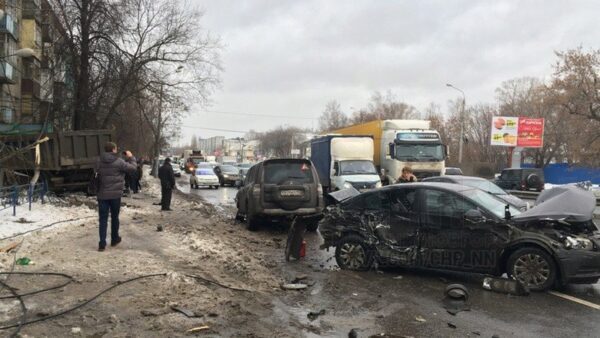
(363, 185)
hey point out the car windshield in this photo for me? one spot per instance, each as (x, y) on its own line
(229, 169)
(244, 171)
(419, 152)
(357, 168)
(244, 165)
(198, 160)
(296, 172)
(489, 202)
(484, 185)
(204, 172)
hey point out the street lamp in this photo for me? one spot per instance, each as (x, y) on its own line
(462, 122)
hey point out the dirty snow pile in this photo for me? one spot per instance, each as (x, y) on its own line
(41, 215)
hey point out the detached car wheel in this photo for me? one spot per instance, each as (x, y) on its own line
(533, 267)
(351, 253)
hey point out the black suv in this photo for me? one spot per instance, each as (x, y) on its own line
(521, 179)
(280, 188)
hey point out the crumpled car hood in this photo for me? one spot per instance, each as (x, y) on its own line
(566, 203)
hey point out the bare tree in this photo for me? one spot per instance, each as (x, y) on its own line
(333, 117)
(383, 107)
(576, 81)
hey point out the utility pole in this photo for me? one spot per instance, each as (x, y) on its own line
(462, 123)
(157, 136)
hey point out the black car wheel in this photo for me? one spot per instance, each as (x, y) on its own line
(532, 267)
(352, 253)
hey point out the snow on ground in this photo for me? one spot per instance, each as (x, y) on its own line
(41, 215)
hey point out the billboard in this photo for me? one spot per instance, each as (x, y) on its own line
(517, 132)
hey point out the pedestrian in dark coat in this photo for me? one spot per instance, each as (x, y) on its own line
(140, 173)
(167, 184)
(111, 169)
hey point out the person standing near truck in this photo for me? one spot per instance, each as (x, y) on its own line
(111, 170)
(167, 183)
(407, 176)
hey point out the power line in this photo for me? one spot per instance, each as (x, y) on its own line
(216, 129)
(259, 115)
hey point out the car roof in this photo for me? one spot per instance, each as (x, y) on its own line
(446, 186)
(456, 178)
(281, 160)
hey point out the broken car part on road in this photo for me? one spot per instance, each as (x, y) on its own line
(454, 227)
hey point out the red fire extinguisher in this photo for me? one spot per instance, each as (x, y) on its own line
(303, 249)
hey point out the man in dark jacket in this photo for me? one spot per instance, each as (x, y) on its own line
(167, 183)
(111, 170)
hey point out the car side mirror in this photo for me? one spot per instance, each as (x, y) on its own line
(446, 151)
(474, 216)
(333, 172)
(392, 150)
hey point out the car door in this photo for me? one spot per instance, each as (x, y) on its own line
(449, 240)
(443, 236)
(404, 225)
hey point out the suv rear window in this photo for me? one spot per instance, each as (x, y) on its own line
(299, 172)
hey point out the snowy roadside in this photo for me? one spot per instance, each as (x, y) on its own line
(52, 212)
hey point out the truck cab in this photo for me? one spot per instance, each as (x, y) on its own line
(411, 143)
(345, 161)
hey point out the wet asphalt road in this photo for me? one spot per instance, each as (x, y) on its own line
(373, 301)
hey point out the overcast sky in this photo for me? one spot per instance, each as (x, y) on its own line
(289, 58)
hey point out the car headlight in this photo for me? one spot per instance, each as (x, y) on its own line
(225, 175)
(378, 185)
(347, 185)
(578, 243)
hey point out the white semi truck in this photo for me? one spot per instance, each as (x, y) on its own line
(400, 143)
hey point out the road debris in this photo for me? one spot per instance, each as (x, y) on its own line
(24, 261)
(188, 313)
(420, 319)
(294, 286)
(353, 334)
(452, 326)
(314, 315)
(160, 228)
(9, 247)
(75, 330)
(503, 285)
(198, 329)
(456, 298)
(397, 277)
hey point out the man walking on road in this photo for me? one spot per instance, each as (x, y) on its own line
(167, 183)
(111, 169)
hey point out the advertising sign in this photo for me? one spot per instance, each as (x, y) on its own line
(517, 132)
(531, 132)
(505, 131)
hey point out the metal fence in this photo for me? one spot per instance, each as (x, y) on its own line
(11, 197)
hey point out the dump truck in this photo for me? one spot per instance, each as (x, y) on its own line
(64, 160)
(400, 143)
(344, 161)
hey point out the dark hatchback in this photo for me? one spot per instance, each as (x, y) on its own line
(454, 227)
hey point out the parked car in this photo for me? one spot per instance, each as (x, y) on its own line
(453, 171)
(204, 177)
(227, 174)
(280, 188)
(457, 227)
(483, 184)
(521, 179)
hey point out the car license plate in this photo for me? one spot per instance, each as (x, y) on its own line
(292, 193)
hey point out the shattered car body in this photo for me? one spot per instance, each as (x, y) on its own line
(455, 227)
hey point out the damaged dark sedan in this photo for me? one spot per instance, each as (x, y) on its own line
(454, 227)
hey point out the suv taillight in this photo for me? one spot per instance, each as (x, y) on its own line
(320, 189)
(256, 190)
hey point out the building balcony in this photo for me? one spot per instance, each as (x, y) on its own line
(30, 87)
(32, 9)
(7, 73)
(7, 115)
(10, 26)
